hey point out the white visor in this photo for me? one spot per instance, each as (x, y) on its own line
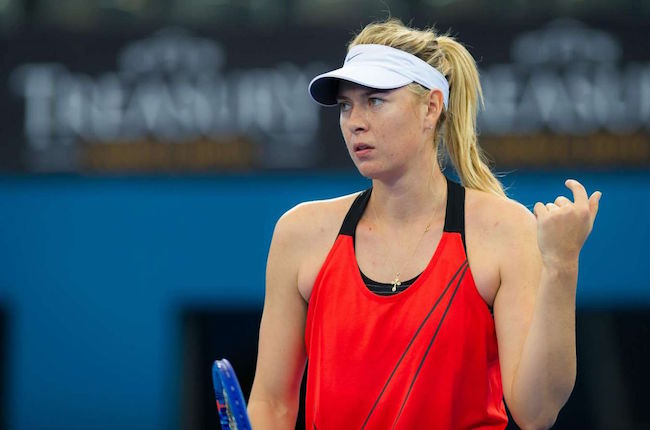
(380, 67)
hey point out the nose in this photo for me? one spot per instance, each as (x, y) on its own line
(356, 120)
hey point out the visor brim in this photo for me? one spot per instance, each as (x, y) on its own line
(324, 88)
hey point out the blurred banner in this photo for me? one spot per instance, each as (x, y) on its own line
(558, 94)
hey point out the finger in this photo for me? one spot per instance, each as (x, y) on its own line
(562, 201)
(552, 207)
(579, 192)
(540, 210)
(594, 202)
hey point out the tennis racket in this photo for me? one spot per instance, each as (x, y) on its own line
(230, 400)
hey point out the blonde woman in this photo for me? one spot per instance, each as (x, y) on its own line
(419, 303)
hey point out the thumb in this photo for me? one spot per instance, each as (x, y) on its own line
(594, 201)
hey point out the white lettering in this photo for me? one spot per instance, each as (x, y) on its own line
(567, 79)
(262, 102)
(36, 83)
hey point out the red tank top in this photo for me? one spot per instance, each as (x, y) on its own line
(425, 358)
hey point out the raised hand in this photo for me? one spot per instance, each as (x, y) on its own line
(563, 226)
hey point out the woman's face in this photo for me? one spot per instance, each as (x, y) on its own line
(385, 131)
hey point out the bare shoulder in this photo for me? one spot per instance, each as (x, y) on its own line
(498, 215)
(306, 233)
(312, 219)
(498, 233)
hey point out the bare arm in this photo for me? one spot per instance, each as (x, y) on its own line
(535, 307)
(273, 403)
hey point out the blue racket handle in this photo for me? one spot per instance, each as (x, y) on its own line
(230, 400)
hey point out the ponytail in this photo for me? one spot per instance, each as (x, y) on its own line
(459, 127)
(456, 125)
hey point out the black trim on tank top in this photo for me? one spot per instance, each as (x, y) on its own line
(454, 223)
(386, 289)
(354, 213)
(455, 216)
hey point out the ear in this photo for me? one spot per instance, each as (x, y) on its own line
(434, 108)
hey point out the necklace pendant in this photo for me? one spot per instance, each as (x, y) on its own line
(396, 282)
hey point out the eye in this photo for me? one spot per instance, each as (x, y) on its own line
(344, 106)
(375, 101)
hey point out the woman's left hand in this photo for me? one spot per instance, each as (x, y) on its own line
(563, 226)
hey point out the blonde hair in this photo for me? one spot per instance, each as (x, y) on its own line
(456, 128)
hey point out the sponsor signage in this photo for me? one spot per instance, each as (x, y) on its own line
(171, 102)
(567, 97)
(559, 93)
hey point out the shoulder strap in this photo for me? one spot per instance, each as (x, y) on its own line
(455, 216)
(354, 213)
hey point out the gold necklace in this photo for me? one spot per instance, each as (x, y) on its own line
(396, 281)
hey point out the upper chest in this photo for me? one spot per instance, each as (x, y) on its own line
(373, 256)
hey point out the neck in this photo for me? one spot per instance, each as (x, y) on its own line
(411, 197)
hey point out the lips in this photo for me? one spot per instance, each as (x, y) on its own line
(362, 146)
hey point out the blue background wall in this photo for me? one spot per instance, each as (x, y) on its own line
(94, 273)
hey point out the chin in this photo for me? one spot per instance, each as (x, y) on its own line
(364, 168)
(370, 170)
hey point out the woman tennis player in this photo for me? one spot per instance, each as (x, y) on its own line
(419, 303)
